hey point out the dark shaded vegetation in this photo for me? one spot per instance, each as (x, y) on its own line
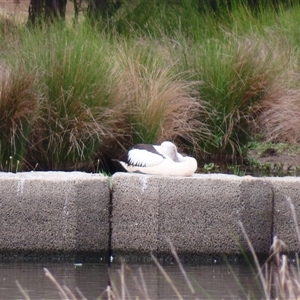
(48, 10)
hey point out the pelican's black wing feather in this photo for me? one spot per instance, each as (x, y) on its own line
(142, 155)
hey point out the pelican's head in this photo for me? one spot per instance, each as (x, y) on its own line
(169, 149)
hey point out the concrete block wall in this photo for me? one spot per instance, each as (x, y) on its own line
(59, 212)
(54, 212)
(199, 214)
(286, 193)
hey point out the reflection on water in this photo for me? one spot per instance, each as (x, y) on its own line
(91, 279)
(209, 281)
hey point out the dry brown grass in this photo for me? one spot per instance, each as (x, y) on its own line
(257, 74)
(63, 143)
(284, 279)
(157, 103)
(279, 120)
(278, 111)
(19, 103)
(75, 118)
(236, 75)
(10, 25)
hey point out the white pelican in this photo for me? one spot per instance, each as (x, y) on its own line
(157, 160)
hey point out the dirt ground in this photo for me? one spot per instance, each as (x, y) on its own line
(286, 159)
(19, 8)
(276, 154)
(14, 6)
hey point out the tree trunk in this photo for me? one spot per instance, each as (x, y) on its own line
(103, 8)
(46, 10)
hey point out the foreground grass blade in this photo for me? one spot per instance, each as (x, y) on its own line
(260, 273)
(292, 206)
(60, 289)
(167, 277)
(187, 280)
(24, 293)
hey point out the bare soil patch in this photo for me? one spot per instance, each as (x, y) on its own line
(279, 154)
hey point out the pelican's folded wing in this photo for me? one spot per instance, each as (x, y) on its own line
(143, 158)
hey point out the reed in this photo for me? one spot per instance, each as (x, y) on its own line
(279, 278)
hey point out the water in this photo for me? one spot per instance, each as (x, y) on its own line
(209, 281)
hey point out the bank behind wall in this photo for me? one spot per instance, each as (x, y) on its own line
(16, 6)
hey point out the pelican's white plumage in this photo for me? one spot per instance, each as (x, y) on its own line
(158, 160)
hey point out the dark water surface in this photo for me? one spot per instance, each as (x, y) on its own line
(143, 281)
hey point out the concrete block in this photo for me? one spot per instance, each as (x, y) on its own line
(284, 225)
(199, 214)
(54, 212)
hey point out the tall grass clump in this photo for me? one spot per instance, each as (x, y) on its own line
(74, 81)
(159, 104)
(19, 104)
(237, 69)
(155, 18)
(236, 76)
(279, 120)
(9, 32)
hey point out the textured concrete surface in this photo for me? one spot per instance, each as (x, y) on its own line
(54, 212)
(199, 214)
(48, 213)
(284, 224)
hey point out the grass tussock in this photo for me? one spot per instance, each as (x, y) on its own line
(19, 104)
(236, 78)
(75, 115)
(158, 103)
(279, 120)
